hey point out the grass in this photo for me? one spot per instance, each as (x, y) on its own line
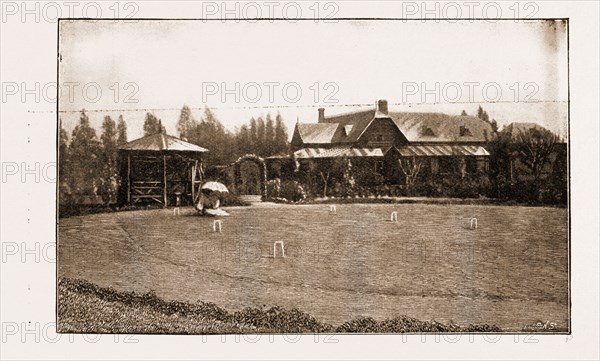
(86, 308)
(352, 265)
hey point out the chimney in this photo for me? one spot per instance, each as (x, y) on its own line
(382, 106)
(321, 115)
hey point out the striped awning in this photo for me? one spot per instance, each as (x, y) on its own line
(442, 150)
(346, 151)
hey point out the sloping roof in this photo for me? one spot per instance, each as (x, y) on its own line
(445, 128)
(159, 142)
(342, 151)
(319, 133)
(358, 120)
(436, 150)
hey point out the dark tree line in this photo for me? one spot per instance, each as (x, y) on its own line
(261, 137)
(88, 163)
(88, 169)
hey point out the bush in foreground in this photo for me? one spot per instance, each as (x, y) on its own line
(86, 307)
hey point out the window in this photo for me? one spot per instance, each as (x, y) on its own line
(464, 131)
(379, 138)
(379, 167)
(427, 132)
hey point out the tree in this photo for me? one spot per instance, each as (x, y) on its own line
(494, 124)
(121, 131)
(464, 113)
(186, 122)
(485, 117)
(64, 167)
(152, 125)
(109, 138)
(534, 147)
(210, 133)
(281, 145)
(243, 142)
(479, 112)
(253, 134)
(410, 168)
(84, 152)
(328, 168)
(269, 145)
(107, 183)
(260, 136)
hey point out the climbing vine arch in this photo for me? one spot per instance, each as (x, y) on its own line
(262, 168)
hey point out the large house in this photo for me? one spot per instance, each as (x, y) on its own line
(393, 142)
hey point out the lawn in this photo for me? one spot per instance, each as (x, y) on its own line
(512, 271)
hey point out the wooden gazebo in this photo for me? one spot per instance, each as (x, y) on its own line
(160, 168)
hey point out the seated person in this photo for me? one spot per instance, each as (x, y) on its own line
(209, 203)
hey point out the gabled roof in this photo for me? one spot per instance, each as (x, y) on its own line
(445, 128)
(161, 142)
(319, 133)
(358, 120)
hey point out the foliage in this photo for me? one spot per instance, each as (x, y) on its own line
(264, 138)
(88, 165)
(108, 180)
(121, 131)
(153, 125)
(210, 133)
(84, 153)
(292, 191)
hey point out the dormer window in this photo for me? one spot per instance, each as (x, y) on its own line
(427, 132)
(348, 129)
(465, 132)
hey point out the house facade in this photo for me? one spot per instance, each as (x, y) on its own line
(401, 146)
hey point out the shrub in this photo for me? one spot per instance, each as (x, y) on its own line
(273, 188)
(292, 191)
(231, 200)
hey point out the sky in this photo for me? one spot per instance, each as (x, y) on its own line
(517, 71)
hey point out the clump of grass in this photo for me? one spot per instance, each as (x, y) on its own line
(403, 324)
(86, 307)
(277, 318)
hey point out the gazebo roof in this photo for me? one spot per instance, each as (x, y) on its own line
(161, 142)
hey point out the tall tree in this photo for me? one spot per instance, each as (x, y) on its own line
(121, 131)
(64, 168)
(107, 185)
(485, 117)
(243, 141)
(186, 122)
(84, 152)
(210, 133)
(281, 136)
(269, 145)
(494, 124)
(152, 125)
(260, 132)
(479, 112)
(253, 134)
